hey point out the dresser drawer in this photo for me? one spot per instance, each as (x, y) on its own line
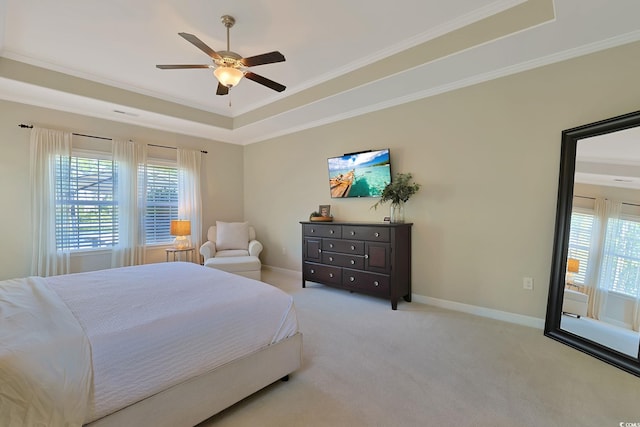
(368, 282)
(322, 273)
(344, 246)
(343, 260)
(363, 232)
(322, 230)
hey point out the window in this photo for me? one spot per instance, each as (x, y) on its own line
(620, 265)
(580, 241)
(162, 202)
(621, 258)
(86, 205)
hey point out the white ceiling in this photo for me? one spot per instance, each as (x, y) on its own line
(611, 160)
(344, 58)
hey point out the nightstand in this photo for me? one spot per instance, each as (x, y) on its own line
(188, 253)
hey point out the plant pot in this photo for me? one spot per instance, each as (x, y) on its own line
(397, 213)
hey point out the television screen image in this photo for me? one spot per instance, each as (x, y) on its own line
(362, 174)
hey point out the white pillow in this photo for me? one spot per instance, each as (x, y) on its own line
(232, 235)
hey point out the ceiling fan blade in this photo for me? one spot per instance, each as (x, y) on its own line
(265, 81)
(265, 58)
(222, 89)
(179, 67)
(200, 45)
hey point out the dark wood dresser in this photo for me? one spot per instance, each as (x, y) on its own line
(373, 258)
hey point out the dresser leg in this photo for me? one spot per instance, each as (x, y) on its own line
(394, 304)
(407, 297)
(304, 283)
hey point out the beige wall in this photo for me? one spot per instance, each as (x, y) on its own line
(222, 197)
(487, 157)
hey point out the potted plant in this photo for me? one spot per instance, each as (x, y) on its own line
(398, 191)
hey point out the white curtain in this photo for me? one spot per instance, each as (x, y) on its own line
(598, 274)
(130, 162)
(636, 312)
(50, 152)
(189, 199)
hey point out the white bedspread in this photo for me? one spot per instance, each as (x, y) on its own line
(156, 325)
(45, 359)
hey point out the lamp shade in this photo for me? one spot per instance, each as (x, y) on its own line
(228, 76)
(573, 265)
(180, 227)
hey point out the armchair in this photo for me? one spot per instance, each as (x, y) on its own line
(575, 302)
(232, 247)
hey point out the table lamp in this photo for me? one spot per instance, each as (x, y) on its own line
(573, 266)
(181, 228)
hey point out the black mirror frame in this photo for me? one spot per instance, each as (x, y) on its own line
(570, 138)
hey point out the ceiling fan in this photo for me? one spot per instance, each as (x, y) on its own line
(228, 66)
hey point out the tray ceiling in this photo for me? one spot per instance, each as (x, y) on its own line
(342, 58)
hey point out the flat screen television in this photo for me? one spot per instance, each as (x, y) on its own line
(363, 174)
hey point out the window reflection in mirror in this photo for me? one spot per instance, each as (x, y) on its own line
(601, 300)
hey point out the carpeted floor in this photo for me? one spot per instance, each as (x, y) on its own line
(366, 365)
(620, 339)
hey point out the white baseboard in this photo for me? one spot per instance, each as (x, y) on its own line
(283, 270)
(616, 322)
(505, 316)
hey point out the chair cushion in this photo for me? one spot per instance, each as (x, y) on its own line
(232, 252)
(232, 235)
(570, 294)
(234, 264)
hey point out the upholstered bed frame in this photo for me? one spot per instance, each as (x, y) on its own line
(197, 399)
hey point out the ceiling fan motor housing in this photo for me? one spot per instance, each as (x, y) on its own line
(228, 59)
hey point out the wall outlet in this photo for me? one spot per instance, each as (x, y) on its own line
(527, 283)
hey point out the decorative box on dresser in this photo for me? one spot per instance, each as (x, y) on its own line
(372, 258)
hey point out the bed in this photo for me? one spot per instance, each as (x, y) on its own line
(167, 344)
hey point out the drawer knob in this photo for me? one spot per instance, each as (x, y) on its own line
(376, 283)
(353, 233)
(353, 248)
(313, 230)
(377, 234)
(352, 262)
(331, 275)
(331, 245)
(313, 271)
(330, 258)
(319, 250)
(351, 279)
(330, 231)
(366, 256)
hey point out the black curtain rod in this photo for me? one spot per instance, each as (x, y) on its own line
(173, 148)
(593, 198)
(22, 125)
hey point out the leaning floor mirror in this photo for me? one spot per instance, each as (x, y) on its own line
(594, 294)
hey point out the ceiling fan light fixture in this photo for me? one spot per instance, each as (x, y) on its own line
(228, 76)
(229, 66)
